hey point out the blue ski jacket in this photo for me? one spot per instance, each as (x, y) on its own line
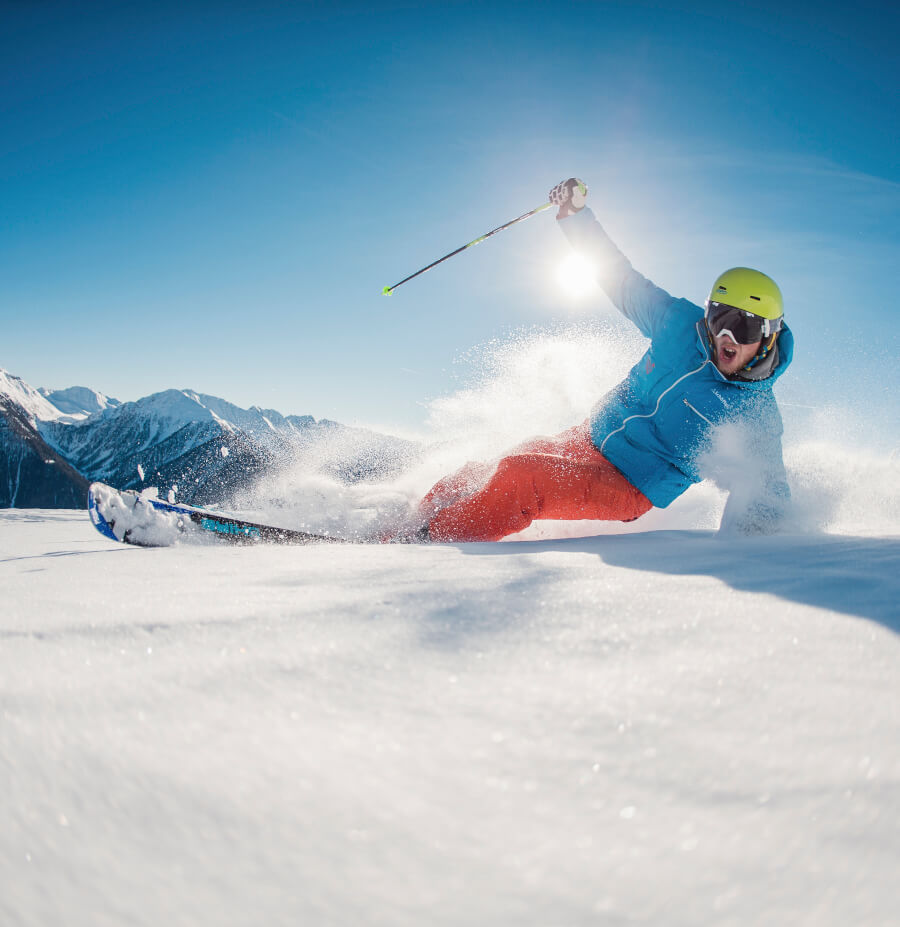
(657, 422)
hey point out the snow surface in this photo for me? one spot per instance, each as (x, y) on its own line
(666, 727)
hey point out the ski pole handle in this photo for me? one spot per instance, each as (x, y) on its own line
(390, 289)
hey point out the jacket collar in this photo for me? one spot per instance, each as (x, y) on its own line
(785, 356)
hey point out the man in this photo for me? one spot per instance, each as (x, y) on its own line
(641, 445)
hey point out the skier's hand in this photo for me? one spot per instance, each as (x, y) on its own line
(759, 518)
(569, 196)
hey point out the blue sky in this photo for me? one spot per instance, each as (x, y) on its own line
(213, 195)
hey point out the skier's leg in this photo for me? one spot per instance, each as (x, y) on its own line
(465, 481)
(579, 484)
(472, 476)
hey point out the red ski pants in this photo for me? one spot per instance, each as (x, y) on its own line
(564, 477)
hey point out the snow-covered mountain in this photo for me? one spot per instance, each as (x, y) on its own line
(33, 474)
(78, 400)
(34, 404)
(207, 447)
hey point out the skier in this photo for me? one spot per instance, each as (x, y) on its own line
(640, 446)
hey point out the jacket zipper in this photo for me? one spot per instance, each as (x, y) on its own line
(705, 419)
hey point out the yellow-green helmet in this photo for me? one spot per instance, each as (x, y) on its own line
(750, 290)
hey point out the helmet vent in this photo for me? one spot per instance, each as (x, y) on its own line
(755, 297)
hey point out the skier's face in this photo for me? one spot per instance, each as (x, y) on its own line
(730, 356)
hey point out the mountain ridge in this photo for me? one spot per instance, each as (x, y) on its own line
(208, 447)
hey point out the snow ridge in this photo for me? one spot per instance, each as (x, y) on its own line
(37, 407)
(78, 401)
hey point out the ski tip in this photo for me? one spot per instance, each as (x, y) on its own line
(387, 291)
(97, 519)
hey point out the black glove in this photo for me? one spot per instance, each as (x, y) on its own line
(569, 196)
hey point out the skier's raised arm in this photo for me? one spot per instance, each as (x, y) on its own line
(636, 297)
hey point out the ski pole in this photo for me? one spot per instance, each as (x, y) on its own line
(389, 289)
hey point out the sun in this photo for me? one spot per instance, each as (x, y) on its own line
(576, 275)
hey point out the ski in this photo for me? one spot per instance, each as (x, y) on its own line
(143, 520)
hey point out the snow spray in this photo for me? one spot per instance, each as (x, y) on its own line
(541, 381)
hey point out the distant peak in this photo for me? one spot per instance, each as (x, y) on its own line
(36, 406)
(79, 400)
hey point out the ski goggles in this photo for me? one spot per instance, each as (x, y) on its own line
(743, 327)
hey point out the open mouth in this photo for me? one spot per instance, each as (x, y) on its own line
(727, 353)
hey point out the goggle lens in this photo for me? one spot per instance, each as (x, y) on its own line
(743, 326)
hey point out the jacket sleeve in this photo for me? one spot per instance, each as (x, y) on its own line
(636, 297)
(760, 506)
